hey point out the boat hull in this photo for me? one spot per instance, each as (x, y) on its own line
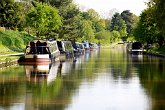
(137, 51)
(32, 59)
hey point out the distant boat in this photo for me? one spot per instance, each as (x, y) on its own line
(137, 48)
(79, 48)
(86, 45)
(66, 49)
(41, 51)
(93, 46)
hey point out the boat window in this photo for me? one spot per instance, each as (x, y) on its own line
(39, 47)
(32, 48)
(45, 48)
(59, 45)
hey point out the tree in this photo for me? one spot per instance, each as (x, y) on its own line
(118, 24)
(70, 19)
(147, 29)
(115, 36)
(98, 24)
(87, 30)
(128, 17)
(44, 19)
(107, 24)
(103, 36)
(22, 9)
(9, 16)
(69, 13)
(159, 14)
(59, 3)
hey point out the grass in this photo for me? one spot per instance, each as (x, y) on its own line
(8, 58)
(12, 42)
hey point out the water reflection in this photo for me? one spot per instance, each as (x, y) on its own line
(107, 79)
(43, 72)
(12, 90)
(46, 92)
(152, 78)
(114, 86)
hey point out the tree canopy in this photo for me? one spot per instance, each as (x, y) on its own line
(44, 19)
(118, 24)
(150, 28)
(8, 13)
(129, 19)
(63, 19)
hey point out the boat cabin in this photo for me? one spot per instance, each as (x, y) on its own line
(137, 48)
(41, 50)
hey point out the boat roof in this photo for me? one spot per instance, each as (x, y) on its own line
(43, 40)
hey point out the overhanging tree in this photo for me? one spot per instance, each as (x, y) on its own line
(147, 30)
(159, 15)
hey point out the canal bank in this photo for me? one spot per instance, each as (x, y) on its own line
(12, 59)
(157, 54)
(9, 59)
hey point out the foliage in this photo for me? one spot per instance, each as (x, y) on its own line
(129, 19)
(103, 36)
(98, 24)
(115, 36)
(9, 16)
(87, 30)
(71, 21)
(22, 10)
(69, 13)
(13, 40)
(118, 24)
(151, 26)
(44, 19)
(147, 30)
(62, 19)
(59, 3)
(159, 14)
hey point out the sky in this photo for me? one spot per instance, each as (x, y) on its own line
(104, 6)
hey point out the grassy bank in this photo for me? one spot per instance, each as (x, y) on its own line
(13, 41)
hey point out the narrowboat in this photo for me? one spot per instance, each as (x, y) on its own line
(93, 46)
(66, 49)
(41, 51)
(79, 48)
(86, 45)
(137, 48)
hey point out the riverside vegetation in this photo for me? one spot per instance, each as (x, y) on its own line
(12, 42)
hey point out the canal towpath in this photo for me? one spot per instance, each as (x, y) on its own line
(9, 59)
(14, 54)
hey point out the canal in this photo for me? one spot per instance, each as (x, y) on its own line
(106, 79)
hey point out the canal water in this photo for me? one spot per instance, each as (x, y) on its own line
(105, 79)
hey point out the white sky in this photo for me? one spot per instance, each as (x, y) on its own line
(104, 6)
